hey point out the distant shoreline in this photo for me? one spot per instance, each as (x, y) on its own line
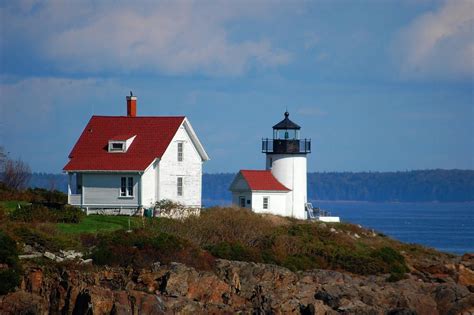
(425, 186)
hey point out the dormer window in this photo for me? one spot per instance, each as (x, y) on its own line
(120, 144)
(117, 146)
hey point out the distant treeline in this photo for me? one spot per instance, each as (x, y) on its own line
(410, 186)
(416, 186)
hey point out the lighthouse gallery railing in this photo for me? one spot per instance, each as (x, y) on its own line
(286, 146)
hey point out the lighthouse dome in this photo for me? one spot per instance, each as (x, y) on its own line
(287, 124)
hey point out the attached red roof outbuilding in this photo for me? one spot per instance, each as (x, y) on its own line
(262, 180)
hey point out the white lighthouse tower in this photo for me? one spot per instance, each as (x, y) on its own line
(286, 159)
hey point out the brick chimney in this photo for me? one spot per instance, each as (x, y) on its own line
(131, 105)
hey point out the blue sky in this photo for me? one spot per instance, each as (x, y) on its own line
(377, 85)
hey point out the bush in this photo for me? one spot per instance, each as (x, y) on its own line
(3, 214)
(9, 280)
(235, 251)
(169, 209)
(40, 213)
(141, 248)
(299, 262)
(69, 214)
(395, 263)
(9, 276)
(240, 234)
(231, 225)
(44, 236)
(50, 198)
(357, 262)
(396, 276)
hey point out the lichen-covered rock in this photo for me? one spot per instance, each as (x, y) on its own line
(233, 287)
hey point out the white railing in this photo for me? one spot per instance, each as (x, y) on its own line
(75, 200)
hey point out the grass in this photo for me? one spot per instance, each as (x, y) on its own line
(100, 223)
(11, 205)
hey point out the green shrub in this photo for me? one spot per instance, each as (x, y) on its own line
(216, 225)
(141, 248)
(356, 262)
(69, 214)
(389, 255)
(394, 261)
(300, 262)
(45, 237)
(166, 242)
(50, 198)
(9, 277)
(40, 213)
(234, 251)
(3, 213)
(394, 276)
(9, 280)
(32, 213)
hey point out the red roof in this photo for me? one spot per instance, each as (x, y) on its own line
(122, 137)
(262, 180)
(153, 136)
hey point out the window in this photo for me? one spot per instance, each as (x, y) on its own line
(180, 186)
(126, 187)
(130, 186)
(242, 201)
(180, 151)
(123, 187)
(117, 147)
(271, 162)
(265, 202)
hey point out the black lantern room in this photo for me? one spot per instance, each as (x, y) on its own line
(286, 139)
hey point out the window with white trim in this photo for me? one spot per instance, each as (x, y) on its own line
(180, 151)
(266, 201)
(118, 146)
(179, 186)
(126, 187)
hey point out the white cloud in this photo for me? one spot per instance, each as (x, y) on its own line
(173, 37)
(41, 117)
(37, 99)
(439, 44)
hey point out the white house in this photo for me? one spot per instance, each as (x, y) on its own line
(126, 163)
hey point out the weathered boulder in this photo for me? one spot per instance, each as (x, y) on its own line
(23, 303)
(465, 276)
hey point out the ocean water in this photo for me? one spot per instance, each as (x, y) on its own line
(448, 227)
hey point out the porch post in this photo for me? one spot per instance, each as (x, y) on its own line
(69, 175)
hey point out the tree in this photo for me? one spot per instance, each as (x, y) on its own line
(3, 158)
(15, 174)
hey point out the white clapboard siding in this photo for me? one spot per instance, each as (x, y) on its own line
(276, 202)
(190, 169)
(149, 185)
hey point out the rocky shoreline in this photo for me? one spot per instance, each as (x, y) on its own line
(240, 287)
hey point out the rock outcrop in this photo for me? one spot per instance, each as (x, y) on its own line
(233, 287)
